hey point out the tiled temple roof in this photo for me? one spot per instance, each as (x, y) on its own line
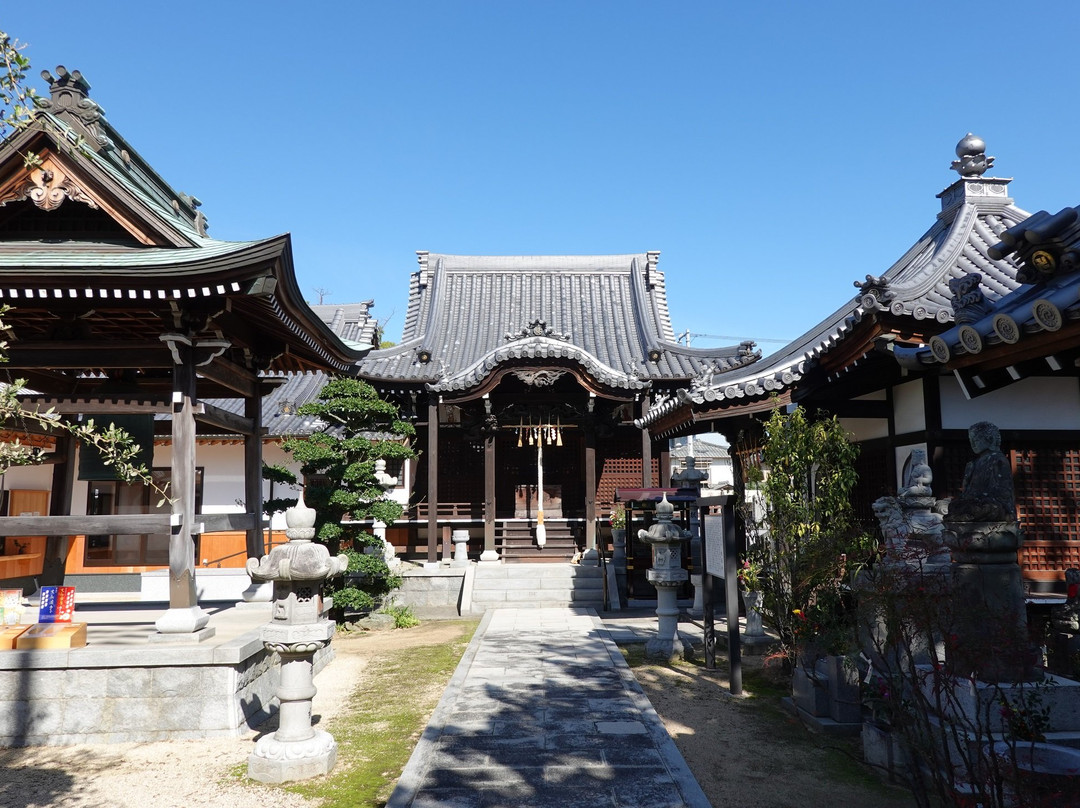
(975, 211)
(609, 314)
(1047, 249)
(352, 323)
(156, 253)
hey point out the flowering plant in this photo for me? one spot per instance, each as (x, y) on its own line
(617, 518)
(750, 575)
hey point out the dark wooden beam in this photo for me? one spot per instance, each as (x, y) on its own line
(223, 419)
(116, 524)
(225, 522)
(855, 409)
(79, 356)
(131, 403)
(233, 376)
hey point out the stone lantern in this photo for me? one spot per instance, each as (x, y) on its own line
(297, 629)
(666, 574)
(689, 480)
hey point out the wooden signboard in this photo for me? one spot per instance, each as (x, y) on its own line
(46, 636)
(714, 540)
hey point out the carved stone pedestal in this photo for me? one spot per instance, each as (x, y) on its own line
(667, 575)
(296, 751)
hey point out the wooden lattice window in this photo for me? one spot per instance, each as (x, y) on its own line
(461, 469)
(872, 466)
(1047, 481)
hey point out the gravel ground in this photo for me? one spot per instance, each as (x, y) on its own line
(740, 759)
(184, 774)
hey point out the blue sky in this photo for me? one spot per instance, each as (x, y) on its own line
(773, 152)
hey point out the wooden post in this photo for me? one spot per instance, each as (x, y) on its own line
(253, 488)
(665, 466)
(646, 448)
(63, 480)
(182, 543)
(590, 488)
(433, 480)
(489, 495)
(184, 615)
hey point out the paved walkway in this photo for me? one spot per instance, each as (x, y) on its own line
(543, 711)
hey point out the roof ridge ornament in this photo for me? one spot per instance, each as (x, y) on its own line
(969, 304)
(537, 328)
(973, 161)
(69, 99)
(875, 291)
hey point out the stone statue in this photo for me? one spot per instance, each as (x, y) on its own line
(911, 522)
(918, 478)
(988, 488)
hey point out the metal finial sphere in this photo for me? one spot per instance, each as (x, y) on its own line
(973, 161)
(970, 145)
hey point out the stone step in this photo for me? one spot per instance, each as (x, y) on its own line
(541, 585)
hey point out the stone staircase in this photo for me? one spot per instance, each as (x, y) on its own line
(498, 586)
(516, 540)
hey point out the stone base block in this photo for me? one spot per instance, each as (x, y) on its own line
(809, 693)
(201, 635)
(275, 761)
(669, 650)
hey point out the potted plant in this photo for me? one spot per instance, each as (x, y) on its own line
(749, 575)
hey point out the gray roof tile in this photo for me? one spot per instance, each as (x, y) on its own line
(975, 211)
(470, 313)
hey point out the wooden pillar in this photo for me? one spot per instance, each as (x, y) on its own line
(63, 480)
(489, 495)
(253, 463)
(182, 543)
(590, 487)
(184, 615)
(646, 448)
(665, 466)
(433, 480)
(935, 449)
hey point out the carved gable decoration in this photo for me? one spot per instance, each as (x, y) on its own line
(537, 328)
(539, 378)
(47, 187)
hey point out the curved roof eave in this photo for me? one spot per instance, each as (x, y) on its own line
(536, 348)
(915, 286)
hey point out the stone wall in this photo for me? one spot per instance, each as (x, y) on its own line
(433, 593)
(152, 693)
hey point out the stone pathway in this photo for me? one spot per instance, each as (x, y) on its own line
(543, 711)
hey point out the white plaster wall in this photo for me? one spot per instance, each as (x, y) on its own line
(33, 478)
(1038, 403)
(909, 414)
(860, 429)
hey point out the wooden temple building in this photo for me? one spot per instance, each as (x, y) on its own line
(524, 375)
(984, 335)
(123, 309)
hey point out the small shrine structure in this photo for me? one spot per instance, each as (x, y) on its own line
(524, 375)
(123, 309)
(979, 313)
